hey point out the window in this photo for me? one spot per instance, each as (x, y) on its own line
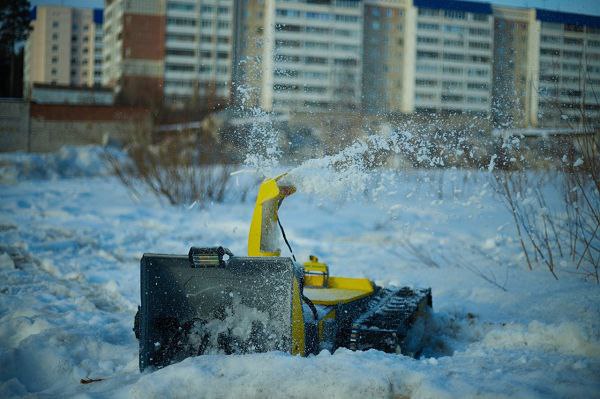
(55, 24)
(55, 36)
(287, 13)
(451, 98)
(345, 61)
(424, 96)
(477, 86)
(550, 39)
(454, 29)
(181, 37)
(323, 16)
(479, 31)
(346, 32)
(477, 72)
(346, 18)
(454, 56)
(549, 51)
(222, 55)
(593, 43)
(287, 58)
(180, 68)
(180, 52)
(315, 75)
(452, 70)
(292, 73)
(573, 28)
(455, 43)
(54, 47)
(289, 28)
(427, 55)
(428, 12)
(454, 14)
(479, 59)
(177, 6)
(181, 21)
(316, 29)
(424, 26)
(480, 45)
(572, 41)
(287, 43)
(451, 85)
(426, 82)
(54, 60)
(283, 87)
(480, 17)
(427, 68)
(222, 24)
(315, 60)
(572, 54)
(427, 40)
(314, 89)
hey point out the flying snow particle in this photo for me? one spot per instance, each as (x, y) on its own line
(492, 163)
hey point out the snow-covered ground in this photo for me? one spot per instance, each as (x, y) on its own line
(70, 245)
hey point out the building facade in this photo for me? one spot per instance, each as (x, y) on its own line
(516, 68)
(569, 69)
(519, 66)
(306, 55)
(134, 48)
(199, 50)
(388, 56)
(454, 55)
(64, 47)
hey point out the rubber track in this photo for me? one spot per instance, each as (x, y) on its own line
(389, 318)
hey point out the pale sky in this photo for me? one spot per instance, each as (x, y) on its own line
(578, 6)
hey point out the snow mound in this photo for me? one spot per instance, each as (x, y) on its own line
(69, 161)
(567, 338)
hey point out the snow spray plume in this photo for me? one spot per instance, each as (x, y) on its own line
(349, 172)
(263, 152)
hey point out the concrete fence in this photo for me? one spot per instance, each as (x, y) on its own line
(35, 127)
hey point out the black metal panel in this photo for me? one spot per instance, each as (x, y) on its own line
(242, 306)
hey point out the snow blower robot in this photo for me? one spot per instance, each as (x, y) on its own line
(213, 302)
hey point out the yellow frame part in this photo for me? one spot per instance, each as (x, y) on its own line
(262, 238)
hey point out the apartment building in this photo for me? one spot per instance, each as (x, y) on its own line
(309, 54)
(134, 48)
(546, 68)
(389, 41)
(199, 49)
(64, 47)
(454, 52)
(516, 67)
(569, 69)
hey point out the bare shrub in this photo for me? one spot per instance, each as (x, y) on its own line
(183, 168)
(558, 230)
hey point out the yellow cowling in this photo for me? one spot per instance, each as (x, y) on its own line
(263, 236)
